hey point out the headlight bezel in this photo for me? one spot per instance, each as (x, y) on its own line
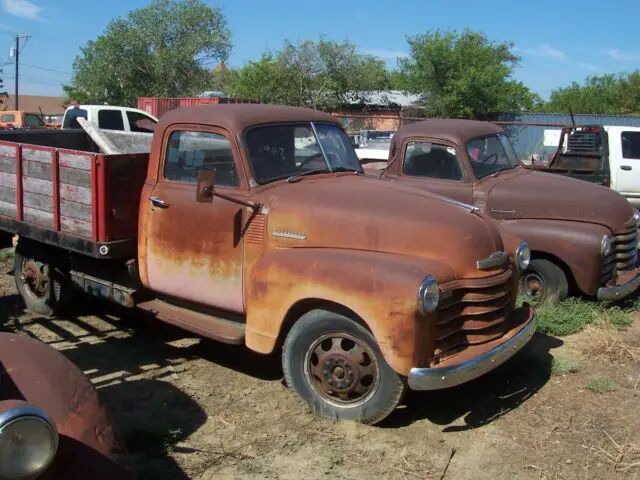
(428, 295)
(606, 245)
(523, 256)
(23, 412)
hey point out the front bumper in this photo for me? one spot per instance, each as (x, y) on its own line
(619, 292)
(448, 376)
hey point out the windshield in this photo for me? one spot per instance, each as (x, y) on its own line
(281, 151)
(491, 154)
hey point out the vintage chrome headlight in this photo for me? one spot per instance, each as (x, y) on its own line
(28, 443)
(523, 256)
(606, 245)
(428, 295)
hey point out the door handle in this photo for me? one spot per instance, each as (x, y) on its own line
(157, 202)
(625, 167)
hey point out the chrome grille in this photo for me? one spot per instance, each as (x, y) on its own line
(624, 253)
(473, 311)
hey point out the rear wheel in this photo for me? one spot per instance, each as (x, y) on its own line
(42, 288)
(544, 282)
(336, 366)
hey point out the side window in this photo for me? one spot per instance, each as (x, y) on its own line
(133, 118)
(8, 118)
(110, 120)
(430, 160)
(189, 152)
(630, 145)
(32, 120)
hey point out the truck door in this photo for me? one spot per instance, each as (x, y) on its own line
(193, 250)
(435, 167)
(625, 159)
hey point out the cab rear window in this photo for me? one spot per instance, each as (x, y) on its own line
(71, 118)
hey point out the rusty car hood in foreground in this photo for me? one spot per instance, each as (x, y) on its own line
(348, 211)
(90, 445)
(522, 193)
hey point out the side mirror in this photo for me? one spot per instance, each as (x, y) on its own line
(205, 186)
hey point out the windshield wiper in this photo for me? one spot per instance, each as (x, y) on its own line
(323, 170)
(307, 172)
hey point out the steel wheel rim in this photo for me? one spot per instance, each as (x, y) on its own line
(35, 281)
(342, 369)
(533, 286)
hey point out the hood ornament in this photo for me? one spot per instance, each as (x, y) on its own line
(496, 259)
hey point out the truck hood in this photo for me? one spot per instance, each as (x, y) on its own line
(523, 193)
(348, 211)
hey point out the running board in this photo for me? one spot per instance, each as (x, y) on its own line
(208, 326)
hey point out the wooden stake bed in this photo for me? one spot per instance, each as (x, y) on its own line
(68, 196)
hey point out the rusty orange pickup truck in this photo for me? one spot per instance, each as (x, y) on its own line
(255, 225)
(582, 236)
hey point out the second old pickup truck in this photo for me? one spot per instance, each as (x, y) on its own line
(581, 235)
(254, 224)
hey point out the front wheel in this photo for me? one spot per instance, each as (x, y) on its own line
(336, 366)
(544, 282)
(42, 288)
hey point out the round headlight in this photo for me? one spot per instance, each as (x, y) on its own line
(28, 443)
(636, 215)
(523, 256)
(428, 295)
(606, 245)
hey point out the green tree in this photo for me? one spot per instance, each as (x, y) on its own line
(158, 50)
(600, 94)
(319, 74)
(464, 75)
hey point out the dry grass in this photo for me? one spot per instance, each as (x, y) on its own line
(607, 342)
(623, 457)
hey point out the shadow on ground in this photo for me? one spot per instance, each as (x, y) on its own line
(153, 416)
(485, 399)
(468, 406)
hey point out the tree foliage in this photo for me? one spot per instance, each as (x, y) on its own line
(600, 94)
(158, 50)
(319, 74)
(464, 75)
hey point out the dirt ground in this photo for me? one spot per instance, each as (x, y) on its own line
(193, 408)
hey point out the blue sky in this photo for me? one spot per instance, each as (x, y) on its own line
(598, 38)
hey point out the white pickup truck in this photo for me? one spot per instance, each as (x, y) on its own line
(603, 154)
(108, 117)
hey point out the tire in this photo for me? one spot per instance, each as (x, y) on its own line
(350, 360)
(550, 280)
(46, 295)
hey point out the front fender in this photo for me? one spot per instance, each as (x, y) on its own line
(90, 444)
(577, 244)
(381, 289)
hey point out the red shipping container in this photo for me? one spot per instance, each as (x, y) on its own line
(158, 106)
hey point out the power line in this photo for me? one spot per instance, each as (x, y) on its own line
(53, 70)
(37, 80)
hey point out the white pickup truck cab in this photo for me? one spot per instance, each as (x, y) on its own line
(624, 161)
(107, 117)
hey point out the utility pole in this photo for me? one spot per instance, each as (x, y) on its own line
(19, 37)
